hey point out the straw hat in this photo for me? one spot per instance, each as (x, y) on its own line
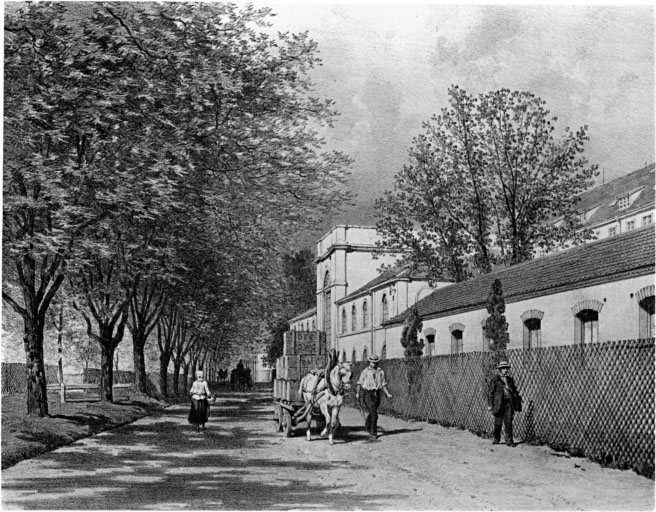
(374, 359)
(503, 364)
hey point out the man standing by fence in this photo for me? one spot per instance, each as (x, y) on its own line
(372, 380)
(501, 399)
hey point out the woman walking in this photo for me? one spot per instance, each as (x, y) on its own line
(199, 412)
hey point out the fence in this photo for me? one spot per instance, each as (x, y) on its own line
(591, 400)
(14, 377)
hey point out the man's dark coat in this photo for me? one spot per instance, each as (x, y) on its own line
(495, 392)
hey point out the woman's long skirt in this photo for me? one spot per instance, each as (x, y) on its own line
(199, 412)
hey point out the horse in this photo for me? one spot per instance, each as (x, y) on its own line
(327, 394)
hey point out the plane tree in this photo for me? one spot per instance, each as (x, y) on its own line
(488, 182)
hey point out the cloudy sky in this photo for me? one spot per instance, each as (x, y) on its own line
(389, 67)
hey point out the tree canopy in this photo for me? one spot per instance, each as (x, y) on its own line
(177, 144)
(487, 183)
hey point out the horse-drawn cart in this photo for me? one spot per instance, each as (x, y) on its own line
(288, 412)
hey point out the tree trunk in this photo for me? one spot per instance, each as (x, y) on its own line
(164, 361)
(36, 392)
(60, 360)
(106, 372)
(139, 361)
(176, 376)
(186, 376)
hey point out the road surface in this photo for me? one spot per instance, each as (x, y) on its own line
(241, 463)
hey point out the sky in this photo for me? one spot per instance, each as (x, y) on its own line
(388, 69)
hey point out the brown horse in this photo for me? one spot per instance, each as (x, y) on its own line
(327, 395)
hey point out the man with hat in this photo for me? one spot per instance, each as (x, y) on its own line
(372, 380)
(501, 394)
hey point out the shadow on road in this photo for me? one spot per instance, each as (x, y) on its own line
(163, 464)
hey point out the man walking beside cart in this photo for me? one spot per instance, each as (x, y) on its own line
(372, 381)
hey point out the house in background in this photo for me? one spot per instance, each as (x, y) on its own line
(306, 321)
(600, 291)
(621, 205)
(363, 312)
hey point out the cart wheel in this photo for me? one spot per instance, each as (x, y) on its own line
(286, 423)
(277, 416)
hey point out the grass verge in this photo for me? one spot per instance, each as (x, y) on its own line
(24, 437)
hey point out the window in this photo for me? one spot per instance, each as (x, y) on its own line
(343, 356)
(343, 320)
(588, 326)
(365, 315)
(353, 319)
(612, 231)
(630, 224)
(430, 344)
(383, 352)
(623, 202)
(314, 325)
(532, 333)
(645, 299)
(646, 219)
(364, 354)
(327, 308)
(456, 341)
(353, 356)
(384, 309)
(586, 321)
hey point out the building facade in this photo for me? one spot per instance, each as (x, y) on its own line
(596, 292)
(347, 259)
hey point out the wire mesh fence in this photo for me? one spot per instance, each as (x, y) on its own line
(14, 377)
(592, 400)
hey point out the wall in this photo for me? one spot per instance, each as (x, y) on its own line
(558, 322)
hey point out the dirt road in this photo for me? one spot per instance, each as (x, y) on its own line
(240, 462)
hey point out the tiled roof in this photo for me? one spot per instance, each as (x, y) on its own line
(605, 196)
(610, 259)
(303, 315)
(395, 274)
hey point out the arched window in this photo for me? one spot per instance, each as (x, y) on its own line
(343, 320)
(364, 354)
(343, 356)
(327, 307)
(457, 331)
(353, 356)
(384, 311)
(383, 352)
(586, 321)
(314, 325)
(365, 315)
(532, 320)
(353, 319)
(646, 314)
(429, 333)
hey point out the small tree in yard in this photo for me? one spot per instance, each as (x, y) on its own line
(409, 336)
(496, 327)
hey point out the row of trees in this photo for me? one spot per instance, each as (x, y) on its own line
(158, 158)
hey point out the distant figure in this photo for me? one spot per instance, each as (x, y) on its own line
(199, 412)
(372, 380)
(240, 366)
(248, 379)
(501, 398)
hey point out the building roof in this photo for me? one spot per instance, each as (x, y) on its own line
(305, 314)
(396, 274)
(604, 197)
(610, 259)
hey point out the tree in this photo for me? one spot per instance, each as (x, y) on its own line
(413, 347)
(123, 115)
(483, 185)
(496, 326)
